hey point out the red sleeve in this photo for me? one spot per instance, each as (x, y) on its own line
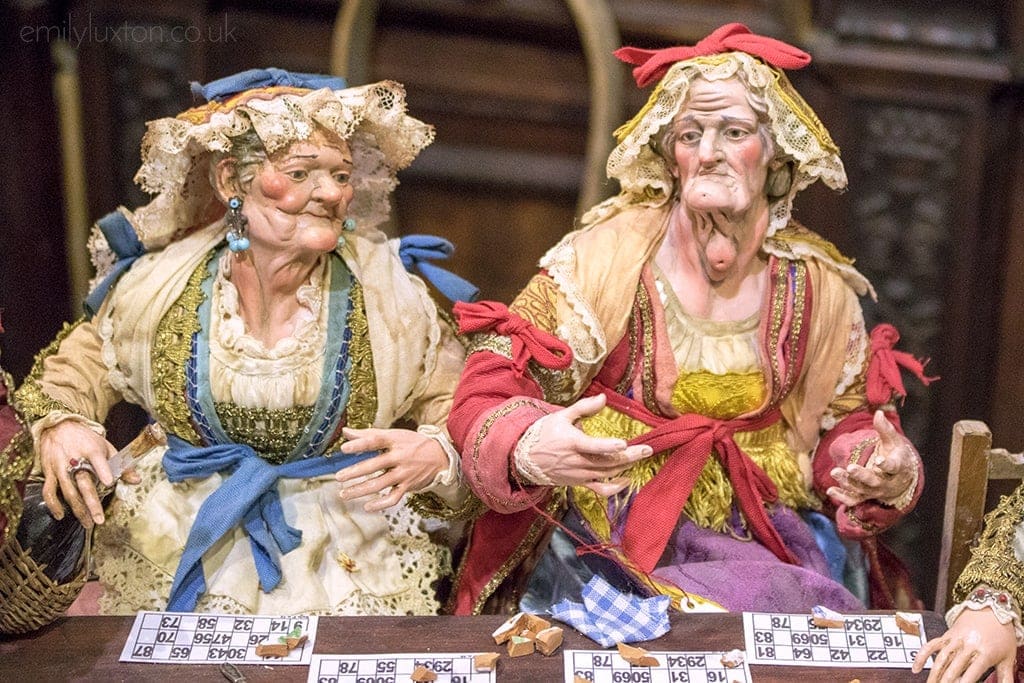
(854, 435)
(492, 409)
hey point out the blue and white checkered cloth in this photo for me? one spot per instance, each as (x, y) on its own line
(608, 617)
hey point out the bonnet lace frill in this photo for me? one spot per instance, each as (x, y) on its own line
(177, 151)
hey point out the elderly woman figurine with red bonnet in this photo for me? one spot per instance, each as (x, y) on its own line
(258, 313)
(685, 400)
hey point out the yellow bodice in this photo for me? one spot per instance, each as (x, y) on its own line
(710, 504)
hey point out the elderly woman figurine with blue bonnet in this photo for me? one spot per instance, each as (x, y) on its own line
(261, 317)
(685, 401)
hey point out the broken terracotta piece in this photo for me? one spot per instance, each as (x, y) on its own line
(485, 661)
(908, 623)
(548, 640)
(422, 674)
(272, 650)
(636, 656)
(518, 646)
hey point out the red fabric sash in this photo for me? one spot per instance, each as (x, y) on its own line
(655, 509)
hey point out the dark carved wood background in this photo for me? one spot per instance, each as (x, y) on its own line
(924, 98)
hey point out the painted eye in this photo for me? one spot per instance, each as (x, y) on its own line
(342, 177)
(736, 133)
(689, 137)
(297, 175)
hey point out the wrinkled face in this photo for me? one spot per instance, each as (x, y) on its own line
(721, 159)
(300, 195)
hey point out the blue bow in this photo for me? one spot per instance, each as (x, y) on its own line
(223, 88)
(248, 496)
(415, 250)
(125, 244)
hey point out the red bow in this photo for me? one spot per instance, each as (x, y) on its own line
(884, 380)
(652, 64)
(528, 341)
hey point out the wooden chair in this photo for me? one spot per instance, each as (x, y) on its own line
(973, 465)
(351, 50)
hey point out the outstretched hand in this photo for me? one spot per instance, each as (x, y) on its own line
(61, 447)
(408, 462)
(568, 457)
(974, 643)
(888, 474)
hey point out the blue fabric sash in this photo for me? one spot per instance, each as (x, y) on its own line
(249, 497)
(416, 251)
(125, 244)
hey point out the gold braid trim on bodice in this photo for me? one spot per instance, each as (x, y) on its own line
(271, 433)
(993, 562)
(172, 347)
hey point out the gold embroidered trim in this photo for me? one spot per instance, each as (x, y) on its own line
(495, 343)
(993, 561)
(537, 303)
(526, 547)
(861, 446)
(486, 428)
(271, 433)
(29, 399)
(172, 347)
(15, 464)
(362, 397)
(643, 302)
(429, 504)
(553, 383)
(783, 380)
(797, 325)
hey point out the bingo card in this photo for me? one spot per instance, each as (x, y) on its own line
(395, 668)
(191, 638)
(604, 666)
(864, 640)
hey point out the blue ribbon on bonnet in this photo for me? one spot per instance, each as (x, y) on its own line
(223, 88)
(248, 496)
(416, 251)
(127, 247)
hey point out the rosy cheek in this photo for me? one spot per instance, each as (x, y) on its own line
(274, 185)
(282, 192)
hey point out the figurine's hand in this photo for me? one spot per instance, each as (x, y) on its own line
(887, 476)
(73, 457)
(408, 462)
(568, 457)
(975, 642)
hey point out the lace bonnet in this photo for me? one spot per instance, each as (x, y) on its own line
(280, 107)
(643, 174)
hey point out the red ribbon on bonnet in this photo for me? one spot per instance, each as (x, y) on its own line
(652, 64)
(884, 380)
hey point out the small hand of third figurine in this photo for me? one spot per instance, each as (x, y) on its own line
(974, 643)
(886, 477)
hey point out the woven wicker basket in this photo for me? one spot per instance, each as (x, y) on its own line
(29, 599)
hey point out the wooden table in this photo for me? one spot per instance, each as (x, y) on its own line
(87, 648)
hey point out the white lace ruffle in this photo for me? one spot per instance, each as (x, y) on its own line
(245, 372)
(643, 174)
